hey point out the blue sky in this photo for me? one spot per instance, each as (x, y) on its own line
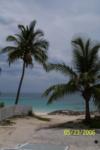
(60, 20)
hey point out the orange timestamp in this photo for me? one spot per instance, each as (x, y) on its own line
(68, 132)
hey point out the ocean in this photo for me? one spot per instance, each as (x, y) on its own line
(72, 102)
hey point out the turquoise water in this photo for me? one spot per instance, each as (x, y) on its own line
(73, 102)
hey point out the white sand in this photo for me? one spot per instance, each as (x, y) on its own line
(32, 130)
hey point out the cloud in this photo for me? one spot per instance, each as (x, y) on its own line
(60, 20)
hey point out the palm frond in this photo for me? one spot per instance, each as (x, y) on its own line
(97, 86)
(66, 70)
(49, 90)
(57, 91)
(32, 26)
(20, 37)
(14, 55)
(93, 56)
(22, 28)
(40, 56)
(87, 47)
(12, 38)
(78, 43)
(95, 71)
(8, 49)
(43, 44)
(79, 61)
(96, 96)
(38, 33)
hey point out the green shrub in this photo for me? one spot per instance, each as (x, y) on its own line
(2, 104)
(95, 123)
(30, 113)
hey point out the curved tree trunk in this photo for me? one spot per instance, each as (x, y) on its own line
(87, 111)
(20, 84)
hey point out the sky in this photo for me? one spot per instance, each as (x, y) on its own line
(61, 20)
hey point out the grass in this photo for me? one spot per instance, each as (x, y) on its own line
(7, 122)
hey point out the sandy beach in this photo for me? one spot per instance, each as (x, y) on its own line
(32, 130)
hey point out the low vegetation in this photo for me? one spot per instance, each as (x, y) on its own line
(2, 104)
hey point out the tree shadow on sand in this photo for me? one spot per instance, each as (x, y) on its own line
(69, 124)
(76, 124)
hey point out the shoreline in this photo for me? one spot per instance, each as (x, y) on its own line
(65, 112)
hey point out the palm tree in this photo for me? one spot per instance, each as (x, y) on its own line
(27, 44)
(84, 76)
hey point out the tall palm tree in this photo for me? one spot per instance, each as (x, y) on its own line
(84, 76)
(27, 44)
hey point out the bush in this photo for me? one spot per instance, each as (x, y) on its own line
(95, 123)
(30, 113)
(2, 104)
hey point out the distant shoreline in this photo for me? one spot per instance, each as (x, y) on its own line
(67, 112)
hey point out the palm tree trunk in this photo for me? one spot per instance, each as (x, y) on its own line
(87, 111)
(20, 84)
